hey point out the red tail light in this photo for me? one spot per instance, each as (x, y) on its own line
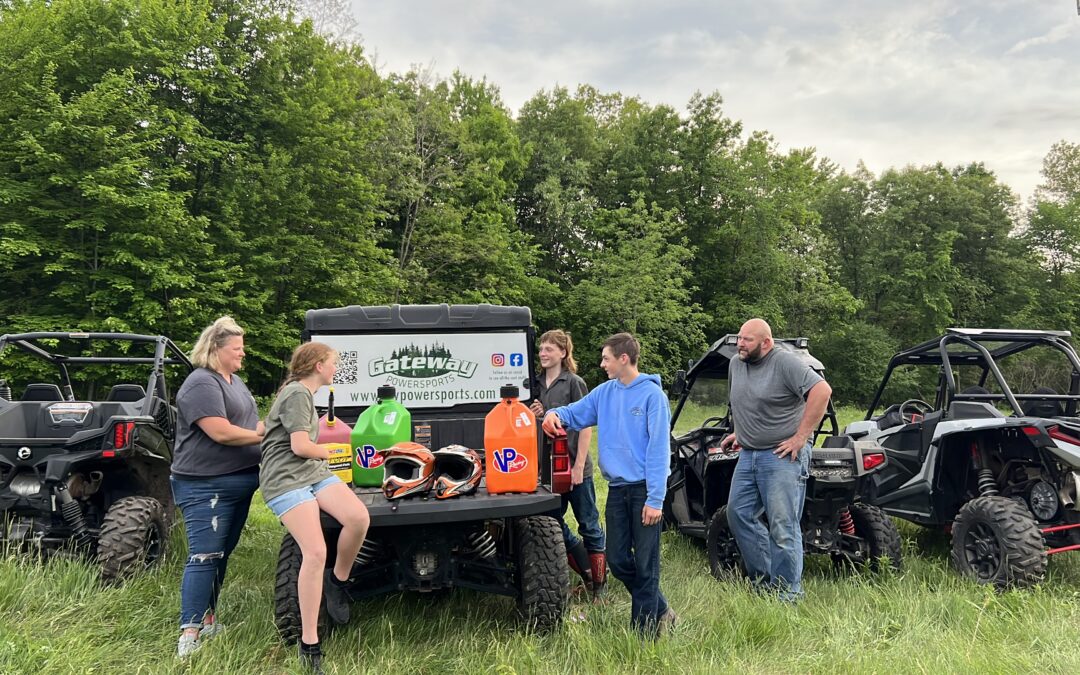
(1057, 434)
(560, 466)
(122, 433)
(872, 460)
(1032, 431)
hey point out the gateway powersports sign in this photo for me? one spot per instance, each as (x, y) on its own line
(429, 371)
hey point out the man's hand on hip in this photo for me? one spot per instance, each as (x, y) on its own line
(650, 516)
(729, 441)
(791, 447)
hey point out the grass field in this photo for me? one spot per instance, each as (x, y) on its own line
(55, 618)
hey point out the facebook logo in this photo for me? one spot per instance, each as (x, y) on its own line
(517, 359)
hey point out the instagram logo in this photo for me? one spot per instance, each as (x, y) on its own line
(498, 360)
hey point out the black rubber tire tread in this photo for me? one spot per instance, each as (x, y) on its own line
(126, 529)
(879, 531)
(286, 595)
(724, 556)
(542, 576)
(1016, 532)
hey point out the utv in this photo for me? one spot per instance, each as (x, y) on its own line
(998, 470)
(447, 363)
(835, 521)
(90, 475)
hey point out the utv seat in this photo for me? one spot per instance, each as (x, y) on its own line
(1043, 408)
(126, 393)
(42, 392)
(973, 410)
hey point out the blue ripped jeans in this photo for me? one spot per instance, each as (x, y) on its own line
(214, 510)
(766, 488)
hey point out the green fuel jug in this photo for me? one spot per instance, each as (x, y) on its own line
(380, 426)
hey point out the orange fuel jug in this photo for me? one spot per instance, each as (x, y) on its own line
(511, 461)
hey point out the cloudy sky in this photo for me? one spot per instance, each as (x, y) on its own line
(886, 82)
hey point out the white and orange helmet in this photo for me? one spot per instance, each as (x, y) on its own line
(457, 471)
(410, 470)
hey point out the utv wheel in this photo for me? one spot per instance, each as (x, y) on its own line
(881, 539)
(996, 541)
(724, 556)
(286, 595)
(133, 537)
(543, 580)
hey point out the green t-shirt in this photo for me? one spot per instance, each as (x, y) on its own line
(282, 469)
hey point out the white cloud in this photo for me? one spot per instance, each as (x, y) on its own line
(889, 83)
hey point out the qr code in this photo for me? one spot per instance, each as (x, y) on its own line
(347, 368)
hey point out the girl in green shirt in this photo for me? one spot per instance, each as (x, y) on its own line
(296, 483)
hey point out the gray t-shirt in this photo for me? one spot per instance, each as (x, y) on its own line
(768, 397)
(566, 389)
(282, 469)
(205, 393)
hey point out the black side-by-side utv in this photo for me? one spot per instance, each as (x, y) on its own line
(835, 520)
(90, 475)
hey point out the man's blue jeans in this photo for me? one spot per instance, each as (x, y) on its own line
(214, 510)
(582, 498)
(633, 554)
(769, 489)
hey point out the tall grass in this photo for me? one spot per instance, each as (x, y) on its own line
(56, 618)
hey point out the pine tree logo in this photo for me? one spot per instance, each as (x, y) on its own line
(418, 362)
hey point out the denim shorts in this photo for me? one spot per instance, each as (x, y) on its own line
(281, 504)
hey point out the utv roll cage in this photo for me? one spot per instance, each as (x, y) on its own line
(165, 353)
(715, 365)
(966, 347)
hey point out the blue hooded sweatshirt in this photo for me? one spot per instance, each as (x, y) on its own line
(634, 434)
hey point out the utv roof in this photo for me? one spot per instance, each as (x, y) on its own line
(714, 364)
(414, 318)
(960, 344)
(28, 342)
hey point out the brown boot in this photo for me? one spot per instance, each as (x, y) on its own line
(598, 564)
(578, 558)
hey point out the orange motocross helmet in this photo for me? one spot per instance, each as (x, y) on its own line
(457, 471)
(410, 470)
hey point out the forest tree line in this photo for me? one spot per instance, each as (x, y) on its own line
(163, 163)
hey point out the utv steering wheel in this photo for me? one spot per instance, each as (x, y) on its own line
(714, 421)
(917, 406)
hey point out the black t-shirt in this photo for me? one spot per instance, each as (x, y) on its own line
(566, 389)
(205, 393)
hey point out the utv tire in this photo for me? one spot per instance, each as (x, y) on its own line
(286, 595)
(542, 576)
(724, 556)
(133, 537)
(880, 534)
(997, 541)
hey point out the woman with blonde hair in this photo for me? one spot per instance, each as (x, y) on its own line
(215, 472)
(297, 484)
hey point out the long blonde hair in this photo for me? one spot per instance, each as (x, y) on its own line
(213, 338)
(561, 339)
(304, 359)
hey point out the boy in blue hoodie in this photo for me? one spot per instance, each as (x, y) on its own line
(631, 411)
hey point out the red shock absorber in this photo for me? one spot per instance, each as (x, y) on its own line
(847, 525)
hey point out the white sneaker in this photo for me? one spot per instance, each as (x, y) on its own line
(188, 645)
(210, 630)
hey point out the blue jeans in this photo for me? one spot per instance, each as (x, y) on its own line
(214, 510)
(769, 488)
(582, 498)
(633, 555)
